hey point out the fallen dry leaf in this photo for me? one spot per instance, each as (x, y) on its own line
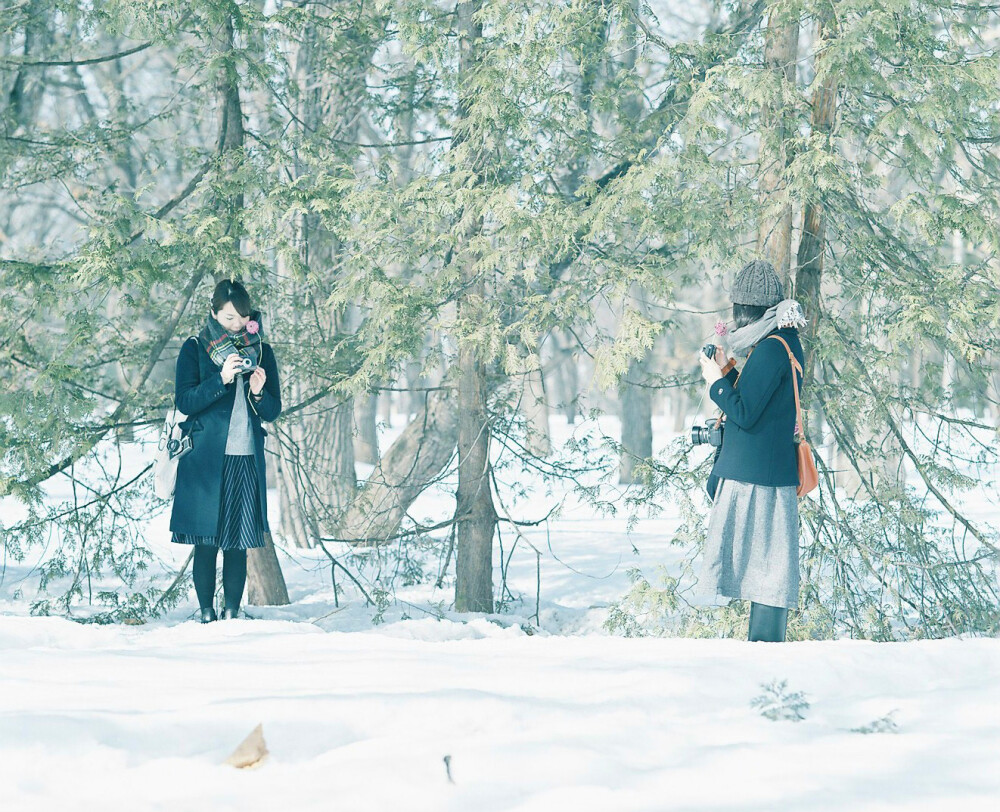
(251, 752)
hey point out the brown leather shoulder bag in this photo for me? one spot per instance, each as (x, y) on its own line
(808, 475)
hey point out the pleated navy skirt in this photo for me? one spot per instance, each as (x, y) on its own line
(240, 524)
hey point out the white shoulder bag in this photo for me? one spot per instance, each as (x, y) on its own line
(173, 445)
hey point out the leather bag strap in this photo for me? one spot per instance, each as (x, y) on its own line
(796, 367)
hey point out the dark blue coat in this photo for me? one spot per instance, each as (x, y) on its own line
(200, 394)
(758, 442)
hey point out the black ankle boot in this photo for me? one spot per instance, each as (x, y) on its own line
(230, 614)
(208, 615)
(767, 623)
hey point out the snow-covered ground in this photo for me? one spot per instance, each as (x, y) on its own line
(546, 713)
(120, 718)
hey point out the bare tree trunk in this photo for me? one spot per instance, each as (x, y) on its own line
(263, 569)
(774, 238)
(535, 408)
(567, 376)
(949, 366)
(812, 250)
(994, 396)
(635, 402)
(419, 455)
(265, 581)
(318, 457)
(474, 513)
(26, 89)
(812, 244)
(292, 526)
(414, 398)
(636, 420)
(231, 125)
(365, 429)
(331, 461)
(384, 407)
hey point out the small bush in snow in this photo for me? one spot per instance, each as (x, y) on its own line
(778, 704)
(884, 724)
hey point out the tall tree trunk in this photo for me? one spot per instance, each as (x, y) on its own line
(265, 581)
(292, 525)
(635, 398)
(414, 397)
(263, 569)
(774, 237)
(231, 133)
(331, 460)
(474, 512)
(636, 406)
(27, 86)
(949, 366)
(365, 429)
(636, 419)
(318, 480)
(812, 244)
(535, 408)
(566, 376)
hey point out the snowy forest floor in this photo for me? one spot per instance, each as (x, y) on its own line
(534, 713)
(120, 718)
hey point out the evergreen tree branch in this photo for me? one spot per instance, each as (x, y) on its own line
(165, 336)
(25, 63)
(674, 103)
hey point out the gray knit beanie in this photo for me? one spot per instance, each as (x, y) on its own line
(757, 284)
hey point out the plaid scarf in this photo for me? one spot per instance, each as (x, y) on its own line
(220, 344)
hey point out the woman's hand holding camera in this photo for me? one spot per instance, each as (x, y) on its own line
(231, 367)
(711, 370)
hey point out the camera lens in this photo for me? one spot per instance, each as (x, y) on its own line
(173, 445)
(246, 363)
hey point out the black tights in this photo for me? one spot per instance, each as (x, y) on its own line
(767, 623)
(234, 576)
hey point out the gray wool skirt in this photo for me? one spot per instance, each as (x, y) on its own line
(752, 547)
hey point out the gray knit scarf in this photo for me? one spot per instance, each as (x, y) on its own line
(786, 313)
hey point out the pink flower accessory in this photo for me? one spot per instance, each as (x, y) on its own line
(721, 329)
(253, 327)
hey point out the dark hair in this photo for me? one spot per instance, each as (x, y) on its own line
(229, 290)
(747, 314)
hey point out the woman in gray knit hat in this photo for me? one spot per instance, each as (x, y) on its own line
(752, 546)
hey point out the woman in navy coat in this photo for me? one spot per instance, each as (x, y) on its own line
(752, 544)
(226, 384)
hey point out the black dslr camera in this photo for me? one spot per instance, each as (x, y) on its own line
(709, 433)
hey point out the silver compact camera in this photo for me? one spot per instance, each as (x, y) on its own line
(178, 448)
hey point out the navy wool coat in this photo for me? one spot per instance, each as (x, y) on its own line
(758, 444)
(200, 394)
